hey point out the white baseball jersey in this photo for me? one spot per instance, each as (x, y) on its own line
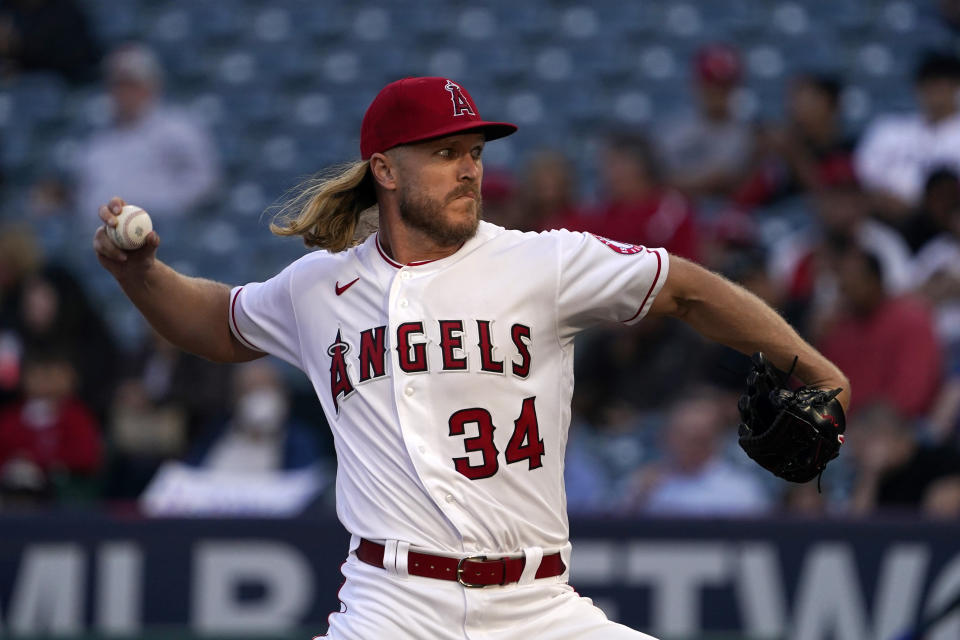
(447, 383)
(898, 152)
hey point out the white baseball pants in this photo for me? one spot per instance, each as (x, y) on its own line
(377, 604)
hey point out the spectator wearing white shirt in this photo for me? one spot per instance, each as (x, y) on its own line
(157, 156)
(898, 151)
(936, 275)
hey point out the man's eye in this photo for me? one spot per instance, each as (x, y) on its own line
(478, 152)
(444, 153)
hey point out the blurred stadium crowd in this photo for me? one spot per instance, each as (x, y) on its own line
(808, 150)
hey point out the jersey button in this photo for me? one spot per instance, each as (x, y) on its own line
(408, 391)
(449, 498)
(405, 275)
(403, 303)
(422, 449)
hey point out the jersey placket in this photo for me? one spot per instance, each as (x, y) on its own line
(411, 391)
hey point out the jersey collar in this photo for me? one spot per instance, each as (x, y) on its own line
(394, 263)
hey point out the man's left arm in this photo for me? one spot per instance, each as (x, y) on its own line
(727, 313)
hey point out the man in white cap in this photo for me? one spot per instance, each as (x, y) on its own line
(158, 156)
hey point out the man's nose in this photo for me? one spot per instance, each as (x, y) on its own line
(469, 169)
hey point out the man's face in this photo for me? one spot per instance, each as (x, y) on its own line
(809, 106)
(860, 287)
(715, 98)
(130, 98)
(938, 97)
(438, 187)
(691, 437)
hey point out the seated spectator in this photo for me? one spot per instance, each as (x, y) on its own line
(803, 261)
(49, 435)
(629, 370)
(47, 35)
(950, 14)
(500, 205)
(896, 471)
(941, 197)
(259, 462)
(548, 193)
(165, 376)
(589, 487)
(19, 259)
(886, 345)
(937, 278)
(801, 156)
(708, 153)
(936, 273)
(694, 479)
(52, 309)
(260, 434)
(897, 152)
(161, 403)
(639, 208)
(156, 156)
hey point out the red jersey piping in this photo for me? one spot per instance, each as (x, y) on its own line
(233, 320)
(656, 279)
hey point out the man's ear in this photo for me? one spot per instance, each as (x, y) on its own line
(384, 169)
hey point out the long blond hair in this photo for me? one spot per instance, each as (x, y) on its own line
(330, 210)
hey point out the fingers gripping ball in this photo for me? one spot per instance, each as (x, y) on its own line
(133, 226)
(792, 434)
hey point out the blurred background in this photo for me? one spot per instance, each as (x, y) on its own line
(809, 150)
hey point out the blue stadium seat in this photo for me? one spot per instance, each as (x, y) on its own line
(115, 21)
(219, 22)
(38, 97)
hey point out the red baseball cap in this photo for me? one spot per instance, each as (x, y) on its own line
(417, 109)
(718, 64)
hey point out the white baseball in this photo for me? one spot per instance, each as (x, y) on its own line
(133, 225)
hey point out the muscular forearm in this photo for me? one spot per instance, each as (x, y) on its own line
(189, 312)
(729, 314)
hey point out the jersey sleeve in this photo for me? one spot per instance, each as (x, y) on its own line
(603, 280)
(262, 317)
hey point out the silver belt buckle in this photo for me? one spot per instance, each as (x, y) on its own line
(469, 585)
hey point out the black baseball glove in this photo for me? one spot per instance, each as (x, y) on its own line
(793, 434)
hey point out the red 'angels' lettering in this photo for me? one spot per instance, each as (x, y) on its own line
(487, 362)
(412, 355)
(521, 338)
(412, 343)
(451, 338)
(373, 350)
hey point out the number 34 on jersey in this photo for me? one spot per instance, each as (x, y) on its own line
(474, 425)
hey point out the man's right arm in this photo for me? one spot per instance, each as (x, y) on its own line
(192, 313)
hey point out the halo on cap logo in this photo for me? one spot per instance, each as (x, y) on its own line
(460, 103)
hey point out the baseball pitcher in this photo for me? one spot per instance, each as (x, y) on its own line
(441, 349)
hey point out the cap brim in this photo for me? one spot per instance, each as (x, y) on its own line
(492, 131)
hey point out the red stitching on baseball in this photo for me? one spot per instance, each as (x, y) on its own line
(126, 225)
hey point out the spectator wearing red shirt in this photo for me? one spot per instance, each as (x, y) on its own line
(50, 428)
(886, 345)
(640, 208)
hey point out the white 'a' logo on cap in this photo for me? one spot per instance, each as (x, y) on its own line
(460, 103)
